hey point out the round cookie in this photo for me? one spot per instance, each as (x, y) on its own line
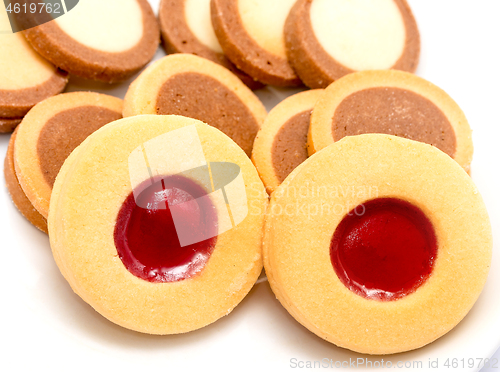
(369, 193)
(281, 144)
(187, 85)
(50, 132)
(186, 27)
(16, 192)
(86, 223)
(25, 77)
(251, 34)
(327, 39)
(7, 125)
(101, 40)
(391, 102)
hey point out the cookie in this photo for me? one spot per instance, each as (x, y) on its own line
(187, 85)
(50, 132)
(186, 27)
(100, 40)
(251, 34)
(281, 144)
(391, 102)
(380, 259)
(25, 77)
(16, 192)
(7, 125)
(146, 171)
(327, 39)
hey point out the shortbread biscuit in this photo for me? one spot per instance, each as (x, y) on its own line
(16, 192)
(101, 40)
(281, 144)
(187, 85)
(336, 250)
(98, 199)
(391, 102)
(50, 132)
(25, 77)
(186, 27)
(327, 39)
(7, 125)
(251, 34)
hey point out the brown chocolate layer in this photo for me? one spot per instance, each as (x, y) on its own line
(289, 148)
(204, 98)
(16, 103)
(394, 111)
(178, 38)
(68, 54)
(244, 52)
(67, 130)
(7, 125)
(316, 67)
(16, 192)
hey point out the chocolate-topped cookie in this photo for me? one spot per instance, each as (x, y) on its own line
(186, 27)
(101, 40)
(251, 35)
(16, 192)
(50, 132)
(391, 102)
(281, 144)
(25, 77)
(184, 84)
(327, 39)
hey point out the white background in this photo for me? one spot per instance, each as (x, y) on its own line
(46, 327)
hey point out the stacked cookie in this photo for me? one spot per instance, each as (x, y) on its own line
(156, 206)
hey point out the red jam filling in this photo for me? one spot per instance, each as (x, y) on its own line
(384, 249)
(148, 227)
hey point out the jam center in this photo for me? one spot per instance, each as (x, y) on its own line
(384, 249)
(166, 230)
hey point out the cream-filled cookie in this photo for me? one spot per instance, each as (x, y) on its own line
(17, 194)
(281, 144)
(186, 27)
(327, 39)
(187, 85)
(101, 40)
(135, 175)
(378, 244)
(391, 102)
(50, 132)
(251, 34)
(25, 77)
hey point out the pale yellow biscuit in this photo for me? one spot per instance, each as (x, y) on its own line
(300, 269)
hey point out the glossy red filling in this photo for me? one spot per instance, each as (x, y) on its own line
(147, 236)
(384, 249)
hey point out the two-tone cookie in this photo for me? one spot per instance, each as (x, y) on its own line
(50, 132)
(187, 85)
(186, 27)
(327, 39)
(157, 223)
(391, 102)
(251, 34)
(101, 40)
(25, 77)
(16, 192)
(378, 244)
(281, 144)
